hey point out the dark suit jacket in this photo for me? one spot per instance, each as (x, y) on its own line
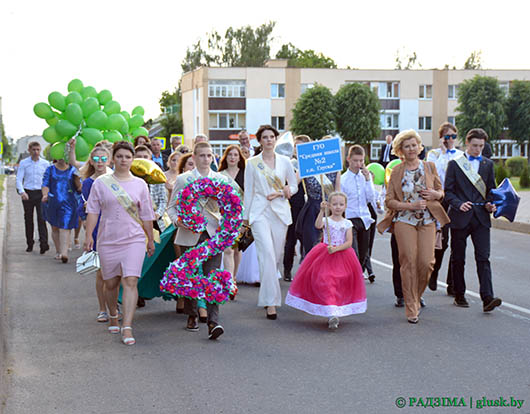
(164, 160)
(487, 152)
(391, 156)
(458, 189)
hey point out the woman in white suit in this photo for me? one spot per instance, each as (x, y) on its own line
(270, 181)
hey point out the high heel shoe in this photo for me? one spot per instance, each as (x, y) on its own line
(114, 329)
(271, 316)
(127, 341)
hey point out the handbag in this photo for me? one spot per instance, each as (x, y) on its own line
(245, 240)
(87, 263)
(438, 240)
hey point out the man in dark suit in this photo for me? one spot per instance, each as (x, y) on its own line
(386, 152)
(468, 182)
(159, 157)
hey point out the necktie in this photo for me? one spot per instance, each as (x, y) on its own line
(451, 151)
(479, 158)
(387, 152)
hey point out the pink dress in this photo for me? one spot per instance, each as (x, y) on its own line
(329, 284)
(121, 240)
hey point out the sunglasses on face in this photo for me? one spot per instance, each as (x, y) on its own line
(450, 136)
(98, 159)
(184, 151)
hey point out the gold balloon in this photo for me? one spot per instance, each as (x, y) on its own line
(388, 170)
(148, 170)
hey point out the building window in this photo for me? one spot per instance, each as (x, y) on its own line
(451, 120)
(425, 92)
(278, 122)
(391, 90)
(453, 92)
(277, 90)
(505, 87)
(226, 120)
(305, 86)
(226, 89)
(389, 121)
(425, 123)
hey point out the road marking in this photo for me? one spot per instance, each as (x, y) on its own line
(468, 292)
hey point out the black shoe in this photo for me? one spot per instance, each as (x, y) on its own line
(287, 277)
(203, 319)
(257, 284)
(215, 331)
(141, 302)
(422, 303)
(491, 303)
(271, 316)
(192, 324)
(371, 278)
(461, 301)
(450, 291)
(44, 248)
(29, 248)
(400, 302)
(433, 282)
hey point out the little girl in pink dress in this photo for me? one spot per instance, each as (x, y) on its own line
(330, 282)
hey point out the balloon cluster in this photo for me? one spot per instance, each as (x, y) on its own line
(88, 116)
(382, 174)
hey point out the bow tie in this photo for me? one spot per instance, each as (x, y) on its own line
(479, 158)
(451, 151)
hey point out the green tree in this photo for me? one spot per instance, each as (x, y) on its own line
(518, 111)
(314, 113)
(481, 105)
(240, 47)
(357, 113)
(171, 124)
(524, 181)
(304, 58)
(7, 146)
(474, 61)
(170, 99)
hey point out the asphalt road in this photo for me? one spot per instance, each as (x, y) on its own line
(61, 361)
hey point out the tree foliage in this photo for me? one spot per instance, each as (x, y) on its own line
(169, 99)
(357, 113)
(474, 61)
(314, 113)
(8, 148)
(407, 61)
(481, 105)
(239, 47)
(171, 124)
(518, 111)
(304, 58)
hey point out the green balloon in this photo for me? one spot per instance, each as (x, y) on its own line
(57, 100)
(97, 120)
(74, 97)
(91, 135)
(115, 121)
(43, 110)
(138, 111)
(112, 107)
(50, 135)
(124, 129)
(104, 96)
(65, 129)
(89, 106)
(112, 136)
(136, 121)
(82, 148)
(57, 151)
(53, 121)
(139, 131)
(75, 85)
(89, 92)
(393, 163)
(379, 172)
(126, 115)
(74, 114)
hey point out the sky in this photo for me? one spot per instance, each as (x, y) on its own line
(134, 48)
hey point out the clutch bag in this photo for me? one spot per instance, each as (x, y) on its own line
(87, 263)
(245, 240)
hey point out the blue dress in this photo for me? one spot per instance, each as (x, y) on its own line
(61, 208)
(81, 210)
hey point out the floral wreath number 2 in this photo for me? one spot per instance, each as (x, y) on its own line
(184, 277)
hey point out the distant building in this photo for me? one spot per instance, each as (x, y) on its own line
(220, 102)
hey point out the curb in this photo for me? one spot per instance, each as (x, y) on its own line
(3, 304)
(516, 226)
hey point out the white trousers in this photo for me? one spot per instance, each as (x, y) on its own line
(269, 235)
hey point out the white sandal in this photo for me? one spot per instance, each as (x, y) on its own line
(102, 317)
(127, 341)
(114, 329)
(58, 256)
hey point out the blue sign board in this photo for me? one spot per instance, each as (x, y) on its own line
(319, 157)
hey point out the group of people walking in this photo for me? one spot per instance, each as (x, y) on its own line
(333, 219)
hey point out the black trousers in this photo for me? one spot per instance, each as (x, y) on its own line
(34, 202)
(439, 253)
(367, 265)
(480, 236)
(361, 239)
(190, 305)
(396, 273)
(290, 241)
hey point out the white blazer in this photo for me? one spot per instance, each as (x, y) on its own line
(257, 189)
(186, 237)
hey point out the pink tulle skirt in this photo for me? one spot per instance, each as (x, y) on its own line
(328, 284)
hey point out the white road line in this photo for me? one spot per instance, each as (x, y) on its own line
(468, 292)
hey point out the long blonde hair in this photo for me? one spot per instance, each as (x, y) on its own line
(88, 169)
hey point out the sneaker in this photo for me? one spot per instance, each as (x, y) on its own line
(215, 331)
(491, 303)
(461, 302)
(371, 278)
(192, 324)
(333, 322)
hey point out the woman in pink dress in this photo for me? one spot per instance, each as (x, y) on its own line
(330, 282)
(126, 219)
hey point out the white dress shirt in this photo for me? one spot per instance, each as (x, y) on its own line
(475, 164)
(442, 159)
(30, 174)
(386, 157)
(359, 192)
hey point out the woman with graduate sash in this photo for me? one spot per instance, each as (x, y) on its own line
(270, 181)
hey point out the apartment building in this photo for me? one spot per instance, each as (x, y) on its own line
(220, 102)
